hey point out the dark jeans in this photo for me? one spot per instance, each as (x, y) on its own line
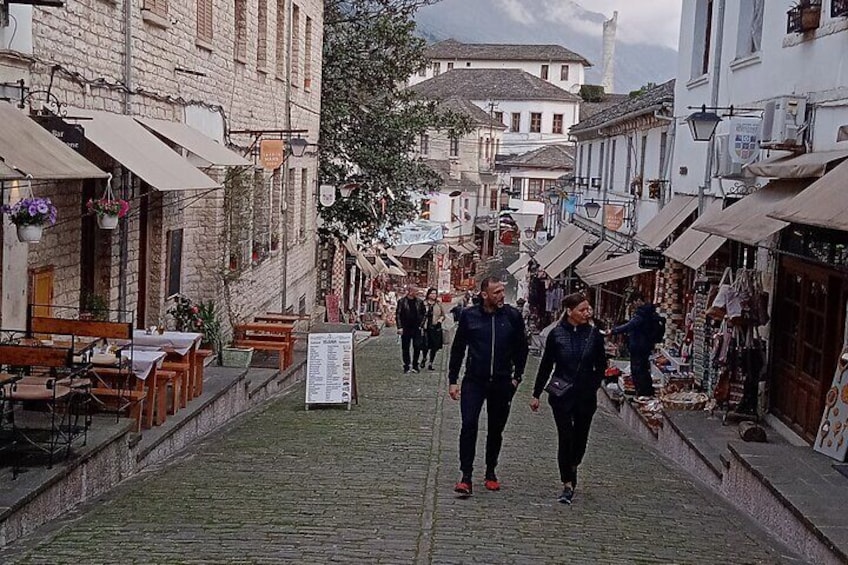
(410, 337)
(498, 398)
(573, 421)
(640, 371)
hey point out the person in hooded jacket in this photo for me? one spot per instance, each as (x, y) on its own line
(640, 342)
(574, 352)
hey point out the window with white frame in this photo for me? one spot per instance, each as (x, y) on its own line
(544, 72)
(750, 30)
(437, 69)
(701, 40)
(535, 122)
(516, 122)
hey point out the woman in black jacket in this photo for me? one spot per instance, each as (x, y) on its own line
(574, 351)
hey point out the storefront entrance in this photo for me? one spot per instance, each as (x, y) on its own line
(807, 326)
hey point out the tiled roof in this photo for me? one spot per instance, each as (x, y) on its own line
(548, 157)
(491, 84)
(452, 49)
(467, 108)
(662, 95)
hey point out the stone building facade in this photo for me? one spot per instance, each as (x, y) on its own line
(220, 67)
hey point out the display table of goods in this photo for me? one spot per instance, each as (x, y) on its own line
(685, 400)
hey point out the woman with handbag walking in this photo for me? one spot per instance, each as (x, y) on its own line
(435, 315)
(574, 352)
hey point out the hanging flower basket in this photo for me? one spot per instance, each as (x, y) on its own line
(30, 233)
(107, 208)
(108, 211)
(29, 216)
(107, 221)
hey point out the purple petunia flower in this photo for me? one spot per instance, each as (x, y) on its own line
(42, 208)
(33, 210)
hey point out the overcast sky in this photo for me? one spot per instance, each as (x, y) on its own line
(655, 22)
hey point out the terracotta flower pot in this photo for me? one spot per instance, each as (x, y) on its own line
(30, 233)
(107, 221)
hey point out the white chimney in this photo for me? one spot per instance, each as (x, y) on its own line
(610, 26)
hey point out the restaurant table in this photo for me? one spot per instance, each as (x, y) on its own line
(145, 363)
(182, 348)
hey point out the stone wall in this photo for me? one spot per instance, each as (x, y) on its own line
(172, 70)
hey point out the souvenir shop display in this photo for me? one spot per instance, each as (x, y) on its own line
(830, 439)
(738, 351)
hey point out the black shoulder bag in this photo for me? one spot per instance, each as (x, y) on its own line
(558, 386)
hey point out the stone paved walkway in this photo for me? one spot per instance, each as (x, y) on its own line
(374, 486)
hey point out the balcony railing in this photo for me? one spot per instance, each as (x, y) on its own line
(804, 17)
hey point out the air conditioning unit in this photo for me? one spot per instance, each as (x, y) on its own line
(784, 119)
(737, 145)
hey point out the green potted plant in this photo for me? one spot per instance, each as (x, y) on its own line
(94, 307)
(30, 215)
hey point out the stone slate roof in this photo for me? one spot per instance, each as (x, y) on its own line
(662, 95)
(491, 84)
(467, 108)
(548, 157)
(442, 167)
(589, 109)
(453, 49)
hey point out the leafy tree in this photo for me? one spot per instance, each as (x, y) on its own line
(369, 122)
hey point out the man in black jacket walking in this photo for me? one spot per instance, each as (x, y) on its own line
(493, 334)
(410, 318)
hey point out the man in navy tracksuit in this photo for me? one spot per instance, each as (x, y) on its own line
(493, 334)
(639, 330)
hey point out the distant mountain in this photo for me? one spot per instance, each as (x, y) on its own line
(541, 21)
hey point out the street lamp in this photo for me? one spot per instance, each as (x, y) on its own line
(592, 208)
(554, 197)
(703, 124)
(347, 188)
(297, 146)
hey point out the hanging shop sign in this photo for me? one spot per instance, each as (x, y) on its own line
(651, 259)
(327, 195)
(71, 135)
(541, 237)
(614, 217)
(272, 153)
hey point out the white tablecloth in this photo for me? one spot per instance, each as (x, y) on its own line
(181, 342)
(143, 361)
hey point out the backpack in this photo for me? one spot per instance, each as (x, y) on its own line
(657, 329)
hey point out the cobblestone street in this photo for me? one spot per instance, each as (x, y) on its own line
(374, 485)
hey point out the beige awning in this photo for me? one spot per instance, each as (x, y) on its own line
(694, 248)
(470, 247)
(824, 203)
(459, 248)
(365, 266)
(519, 263)
(392, 259)
(416, 251)
(131, 145)
(569, 242)
(26, 148)
(613, 269)
(746, 220)
(396, 271)
(209, 150)
(380, 265)
(807, 165)
(668, 219)
(598, 254)
(350, 245)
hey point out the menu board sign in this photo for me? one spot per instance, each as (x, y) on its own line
(329, 369)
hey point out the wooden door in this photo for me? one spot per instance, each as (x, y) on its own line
(41, 290)
(805, 334)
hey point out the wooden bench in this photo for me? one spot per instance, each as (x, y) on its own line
(267, 337)
(118, 389)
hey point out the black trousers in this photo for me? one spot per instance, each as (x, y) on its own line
(498, 398)
(410, 337)
(640, 371)
(573, 421)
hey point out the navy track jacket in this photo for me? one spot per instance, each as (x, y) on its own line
(496, 344)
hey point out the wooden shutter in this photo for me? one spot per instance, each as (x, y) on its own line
(204, 20)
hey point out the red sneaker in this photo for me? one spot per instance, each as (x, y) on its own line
(463, 489)
(492, 484)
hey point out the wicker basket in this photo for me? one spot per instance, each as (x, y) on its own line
(685, 401)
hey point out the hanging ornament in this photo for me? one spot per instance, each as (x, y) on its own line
(30, 214)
